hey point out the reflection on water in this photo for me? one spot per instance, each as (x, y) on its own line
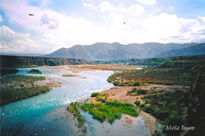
(38, 115)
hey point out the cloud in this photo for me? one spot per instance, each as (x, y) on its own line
(16, 42)
(51, 22)
(135, 10)
(166, 28)
(87, 5)
(1, 19)
(202, 18)
(49, 30)
(147, 2)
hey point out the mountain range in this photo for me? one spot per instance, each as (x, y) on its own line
(117, 51)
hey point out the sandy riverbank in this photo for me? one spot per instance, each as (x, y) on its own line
(48, 82)
(86, 67)
(120, 93)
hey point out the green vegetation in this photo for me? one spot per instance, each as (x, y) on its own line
(102, 97)
(109, 110)
(104, 110)
(68, 75)
(156, 61)
(194, 100)
(14, 88)
(130, 83)
(74, 109)
(154, 75)
(171, 71)
(95, 94)
(135, 92)
(35, 71)
(169, 108)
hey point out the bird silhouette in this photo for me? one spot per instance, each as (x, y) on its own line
(31, 14)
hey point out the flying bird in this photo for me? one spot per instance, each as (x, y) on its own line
(124, 22)
(31, 14)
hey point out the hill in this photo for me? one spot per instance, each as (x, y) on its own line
(198, 49)
(24, 61)
(117, 51)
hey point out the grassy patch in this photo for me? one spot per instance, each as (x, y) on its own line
(74, 109)
(14, 88)
(68, 75)
(152, 75)
(35, 71)
(105, 110)
(109, 110)
(135, 92)
(102, 97)
(169, 108)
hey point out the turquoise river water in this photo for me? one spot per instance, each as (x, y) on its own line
(45, 115)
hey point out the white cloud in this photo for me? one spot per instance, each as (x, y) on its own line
(147, 2)
(166, 28)
(87, 5)
(1, 19)
(16, 42)
(202, 18)
(50, 30)
(51, 22)
(135, 10)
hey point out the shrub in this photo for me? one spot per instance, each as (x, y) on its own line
(135, 92)
(137, 103)
(136, 84)
(94, 94)
(140, 91)
(102, 97)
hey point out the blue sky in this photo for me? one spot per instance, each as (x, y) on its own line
(64, 23)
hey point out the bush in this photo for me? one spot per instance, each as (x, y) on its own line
(102, 97)
(140, 91)
(94, 94)
(136, 91)
(137, 103)
(136, 84)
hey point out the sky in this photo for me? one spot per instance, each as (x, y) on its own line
(64, 23)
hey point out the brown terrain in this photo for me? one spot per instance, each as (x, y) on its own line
(120, 92)
(115, 67)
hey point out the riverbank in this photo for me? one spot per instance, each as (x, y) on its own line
(120, 93)
(159, 82)
(37, 113)
(18, 87)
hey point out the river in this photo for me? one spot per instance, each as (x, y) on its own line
(44, 115)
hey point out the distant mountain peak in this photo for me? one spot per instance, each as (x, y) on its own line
(117, 51)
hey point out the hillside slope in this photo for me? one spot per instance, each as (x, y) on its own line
(23, 61)
(117, 51)
(198, 49)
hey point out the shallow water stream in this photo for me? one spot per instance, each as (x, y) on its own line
(43, 115)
